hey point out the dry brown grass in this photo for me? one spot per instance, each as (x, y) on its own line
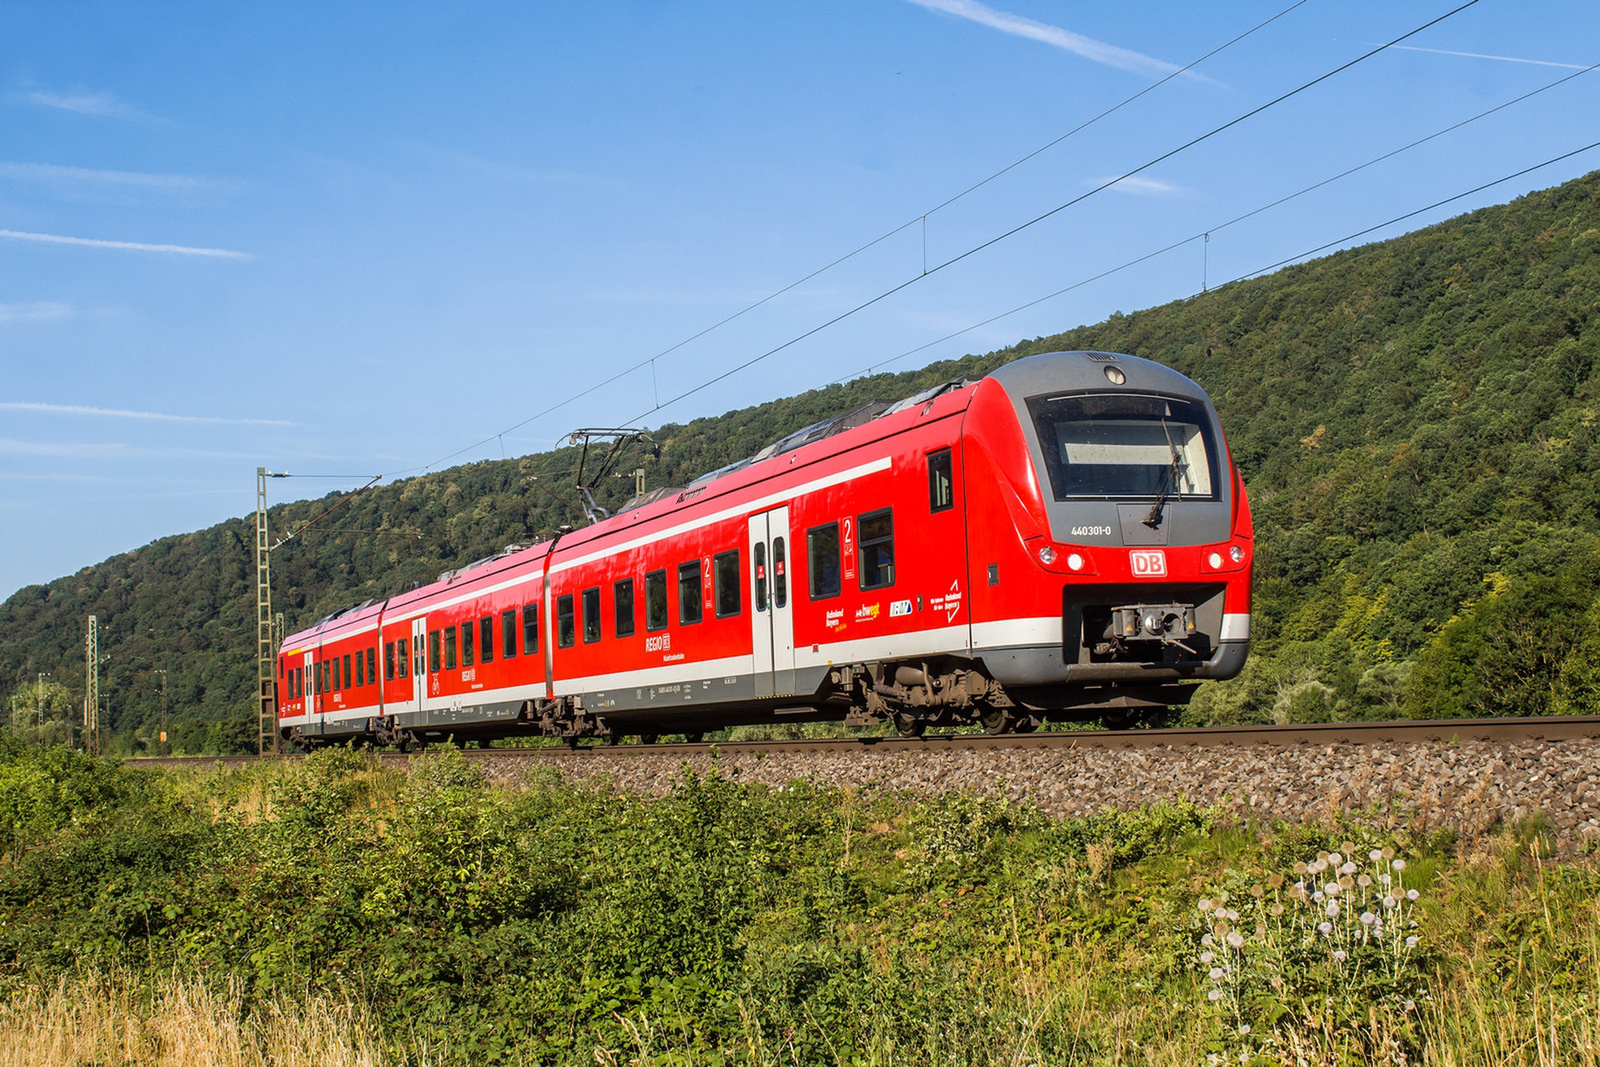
(102, 1022)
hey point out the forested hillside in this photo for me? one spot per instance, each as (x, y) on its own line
(1416, 422)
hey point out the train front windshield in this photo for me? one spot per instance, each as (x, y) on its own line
(1126, 445)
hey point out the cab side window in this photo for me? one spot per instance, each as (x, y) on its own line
(566, 627)
(655, 600)
(941, 484)
(725, 573)
(689, 592)
(591, 615)
(877, 549)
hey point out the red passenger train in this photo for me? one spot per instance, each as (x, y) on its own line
(1066, 538)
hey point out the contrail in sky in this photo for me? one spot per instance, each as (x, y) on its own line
(121, 413)
(1480, 55)
(1018, 26)
(132, 246)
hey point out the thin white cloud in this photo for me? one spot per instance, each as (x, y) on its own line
(38, 311)
(132, 246)
(1139, 186)
(100, 105)
(122, 413)
(107, 450)
(45, 173)
(1480, 55)
(1076, 43)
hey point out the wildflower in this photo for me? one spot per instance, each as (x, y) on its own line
(1207, 941)
(1235, 939)
(1299, 867)
(1324, 929)
(1363, 881)
(1367, 918)
(1412, 894)
(1334, 859)
(1413, 941)
(1245, 1029)
(1205, 904)
(1411, 1005)
(1276, 909)
(1389, 902)
(1332, 889)
(1388, 853)
(1276, 881)
(1257, 892)
(1348, 868)
(1319, 896)
(1398, 865)
(1214, 973)
(1207, 957)
(1385, 879)
(1375, 855)
(1348, 848)
(1338, 954)
(1333, 909)
(1214, 996)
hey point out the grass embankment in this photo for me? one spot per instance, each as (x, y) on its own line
(338, 911)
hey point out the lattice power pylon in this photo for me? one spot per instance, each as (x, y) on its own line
(266, 651)
(91, 688)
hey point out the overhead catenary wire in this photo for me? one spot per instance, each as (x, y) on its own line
(1205, 234)
(975, 249)
(922, 218)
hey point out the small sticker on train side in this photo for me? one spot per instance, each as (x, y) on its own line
(1148, 563)
(898, 608)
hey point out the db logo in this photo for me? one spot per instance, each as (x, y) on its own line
(1148, 564)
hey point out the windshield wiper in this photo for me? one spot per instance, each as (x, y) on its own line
(1168, 484)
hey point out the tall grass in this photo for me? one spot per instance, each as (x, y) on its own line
(95, 1019)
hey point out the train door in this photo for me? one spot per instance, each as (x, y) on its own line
(311, 693)
(772, 620)
(419, 663)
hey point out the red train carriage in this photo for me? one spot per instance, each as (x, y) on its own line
(1067, 537)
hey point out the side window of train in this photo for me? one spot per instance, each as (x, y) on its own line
(622, 605)
(361, 669)
(758, 575)
(449, 648)
(372, 664)
(566, 629)
(486, 639)
(349, 679)
(877, 548)
(433, 651)
(822, 560)
(469, 642)
(591, 615)
(402, 655)
(655, 600)
(338, 676)
(388, 661)
(725, 571)
(780, 574)
(941, 485)
(508, 633)
(416, 654)
(530, 629)
(689, 592)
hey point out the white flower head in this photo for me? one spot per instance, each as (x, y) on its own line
(1411, 1005)
(1335, 859)
(1367, 918)
(1235, 938)
(1214, 973)
(1214, 996)
(1375, 855)
(1339, 955)
(1413, 941)
(1412, 894)
(1385, 879)
(1245, 1029)
(1324, 929)
(1207, 940)
(1389, 902)
(1205, 904)
(1318, 896)
(1207, 957)
(1348, 868)
(1332, 889)
(1333, 909)
(1398, 865)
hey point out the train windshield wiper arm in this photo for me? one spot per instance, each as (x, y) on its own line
(1169, 483)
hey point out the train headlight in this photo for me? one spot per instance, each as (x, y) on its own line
(1047, 555)
(1075, 562)
(1115, 375)
(1236, 553)
(1215, 559)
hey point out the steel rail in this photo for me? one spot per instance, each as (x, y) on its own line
(1550, 729)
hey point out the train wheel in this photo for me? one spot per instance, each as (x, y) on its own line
(997, 721)
(694, 737)
(571, 741)
(613, 738)
(649, 739)
(910, 725)
(404, 744)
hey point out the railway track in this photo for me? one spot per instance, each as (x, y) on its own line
(1551, 729)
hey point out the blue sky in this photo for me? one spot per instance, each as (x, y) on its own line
(352, 240)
